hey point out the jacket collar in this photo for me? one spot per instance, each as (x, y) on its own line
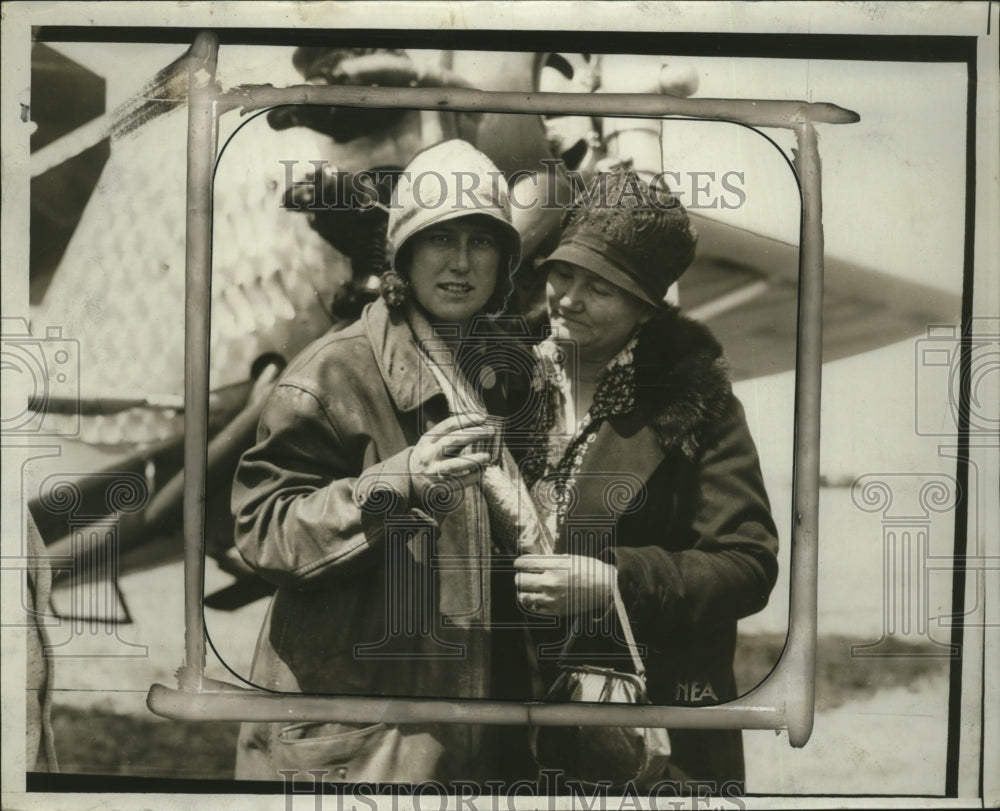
(404, 369)
(682, 381)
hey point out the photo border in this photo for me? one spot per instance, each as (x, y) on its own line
(906, 48)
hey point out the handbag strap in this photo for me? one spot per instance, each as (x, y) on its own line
(633, 648)
(619, 606)
(626, 626)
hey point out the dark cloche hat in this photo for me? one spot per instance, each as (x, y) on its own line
(636, 237)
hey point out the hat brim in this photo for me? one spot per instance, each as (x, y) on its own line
(511, 236)
(576, 254)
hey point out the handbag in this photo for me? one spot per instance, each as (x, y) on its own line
(594, 754)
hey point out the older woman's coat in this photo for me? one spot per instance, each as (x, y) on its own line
(671, 492)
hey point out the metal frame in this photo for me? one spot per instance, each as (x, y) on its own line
(785, 700)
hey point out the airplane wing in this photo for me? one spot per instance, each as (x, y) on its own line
(745, 287)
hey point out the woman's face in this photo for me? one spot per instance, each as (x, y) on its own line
(599, 316)
(454, 266)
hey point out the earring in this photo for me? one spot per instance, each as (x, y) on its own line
(394, 289)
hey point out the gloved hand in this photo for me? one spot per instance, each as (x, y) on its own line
(443, 456)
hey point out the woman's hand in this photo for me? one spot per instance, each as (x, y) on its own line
(564, 584)
(443, 454)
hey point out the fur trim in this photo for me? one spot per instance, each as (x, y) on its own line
(682, 381)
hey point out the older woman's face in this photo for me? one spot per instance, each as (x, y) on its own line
(599, 316)
(454, 268)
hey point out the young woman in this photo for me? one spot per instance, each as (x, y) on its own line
(363, 499)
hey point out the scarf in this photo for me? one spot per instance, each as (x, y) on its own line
(551, 466)
(513, 522)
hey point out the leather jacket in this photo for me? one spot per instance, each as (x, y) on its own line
(361, 606)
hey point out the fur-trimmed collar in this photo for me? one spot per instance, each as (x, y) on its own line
(682, 381)
(677, 384)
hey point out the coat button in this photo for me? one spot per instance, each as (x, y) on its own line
(341, 772)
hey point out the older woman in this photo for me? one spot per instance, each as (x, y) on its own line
(648, 476)
(366, 475)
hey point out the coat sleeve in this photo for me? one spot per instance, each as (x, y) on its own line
(730, 565)
(299, 510)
